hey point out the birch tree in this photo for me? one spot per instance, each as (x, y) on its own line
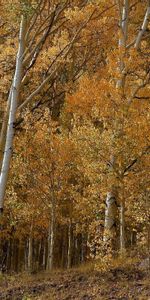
(111, 201)
(124, 11)
(43, 24)
(12, 112)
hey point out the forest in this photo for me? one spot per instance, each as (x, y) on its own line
(74, 146)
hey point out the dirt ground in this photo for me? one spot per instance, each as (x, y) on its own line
(118, 283)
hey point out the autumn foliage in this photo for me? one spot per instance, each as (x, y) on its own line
(78, 185)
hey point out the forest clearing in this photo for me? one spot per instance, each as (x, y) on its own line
(75, 149)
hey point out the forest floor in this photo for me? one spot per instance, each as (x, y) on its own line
(79, 284)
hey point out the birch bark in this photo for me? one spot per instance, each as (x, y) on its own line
(51, 241)
(12, 113)
(111, 201)
(123, 43)
(4, 129)
(51, 231)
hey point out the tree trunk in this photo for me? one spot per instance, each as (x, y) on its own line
(12, 114)
(111, 201)
(69, 245)
(30, 254)
(82, 247)
(148, 244)
(26, 255)
(76, 246)
(64, 249)
(44, 256)
(110, 218)
(51, 238)
(122, 227)
(4, 129)
(124, 16)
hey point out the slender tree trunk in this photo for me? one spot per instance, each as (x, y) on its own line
(30, 248)
(77, 255)
(30, 253)
(51, 233)
(82, 247)
(124, 19)
(3, 134)
(44, 256)
(124, 16)
(40, 253)
(148, 244)
(26, 255)
(111, 201)
(4, 128)
(9, 255)
(69, 245)
(50, 246)
(12, 114)
(64, 250)
(124, 22)
(122, 227)
(51, 238)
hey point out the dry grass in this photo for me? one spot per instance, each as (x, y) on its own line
(122, 280)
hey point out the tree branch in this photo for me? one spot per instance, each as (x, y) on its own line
(137, 159)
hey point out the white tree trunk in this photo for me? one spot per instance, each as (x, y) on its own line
(12, 114)
(4, 129)
(51, 237)
(144, 27)
(124, 16)
(122, 227)
(123, 43)
(110, 217)
(111, 201)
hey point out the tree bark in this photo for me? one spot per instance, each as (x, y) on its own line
(30, 253)
(4, 129)
(122, 227)
(69, 245)
(50, 245)
(124, 16)
(148, 244)
(122, 43)
(111, 201)
(110, 218)
(12, 114)
(51, 237)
